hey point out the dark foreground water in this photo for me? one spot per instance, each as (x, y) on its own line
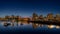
(28, 27)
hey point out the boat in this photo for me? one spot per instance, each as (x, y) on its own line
(6, 24)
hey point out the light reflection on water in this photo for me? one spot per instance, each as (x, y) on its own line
(22, 26)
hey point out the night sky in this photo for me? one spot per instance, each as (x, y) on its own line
(27, 7)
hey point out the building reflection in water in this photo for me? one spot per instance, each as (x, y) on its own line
(58, 27)
(41, 25)
(12, 24)
(50, 26)
(53, 26)
(34, 25)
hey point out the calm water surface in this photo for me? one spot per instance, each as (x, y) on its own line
(28, 27)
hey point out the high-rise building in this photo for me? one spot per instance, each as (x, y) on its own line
(58, 17)
(41, 17)
(50, 16)
(34, 16)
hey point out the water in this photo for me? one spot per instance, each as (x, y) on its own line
(28, 27)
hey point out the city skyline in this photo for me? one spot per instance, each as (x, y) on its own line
(27, 7)
(32, 15)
